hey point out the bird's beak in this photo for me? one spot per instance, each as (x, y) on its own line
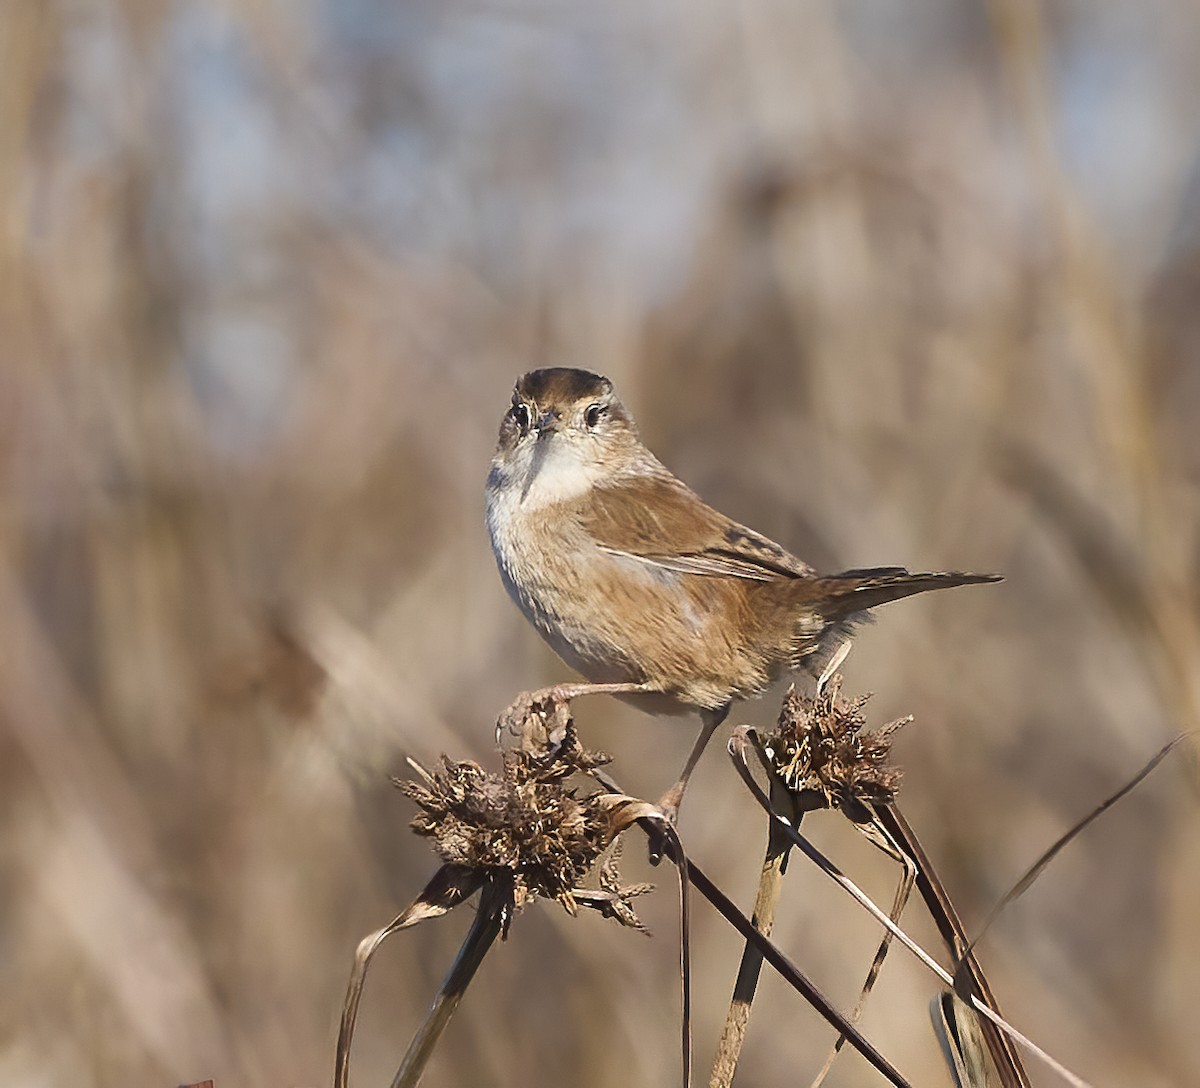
(541, 448)
(546, 425)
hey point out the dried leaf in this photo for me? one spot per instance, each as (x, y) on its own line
(959, 1031)
(450, 885)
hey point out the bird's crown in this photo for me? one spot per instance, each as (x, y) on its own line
(561, 385)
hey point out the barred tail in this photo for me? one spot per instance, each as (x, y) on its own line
(852, 591)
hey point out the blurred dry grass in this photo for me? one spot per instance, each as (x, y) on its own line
(895, 284)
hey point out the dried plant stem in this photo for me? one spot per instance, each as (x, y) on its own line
(791, 974)
(1004, 1054)
(770, 886)
(783, 966)
(487, 925)
(835, 874)
(877, 834)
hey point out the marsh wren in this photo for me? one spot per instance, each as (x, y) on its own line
(635, 582)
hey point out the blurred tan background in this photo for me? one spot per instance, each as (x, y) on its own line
(909, 283)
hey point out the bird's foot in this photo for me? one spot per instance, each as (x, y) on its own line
(660, 839)
(668, 803)
(551, 707)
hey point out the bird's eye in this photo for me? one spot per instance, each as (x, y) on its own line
(520, 412)
(592, 416)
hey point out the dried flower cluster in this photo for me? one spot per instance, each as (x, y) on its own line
(820, 751)
(525, 827)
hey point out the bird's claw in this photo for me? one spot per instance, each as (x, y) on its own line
(661, 838)
(548, 710)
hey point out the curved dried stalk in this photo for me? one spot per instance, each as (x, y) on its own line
(1036, 869)
(941, 908)
(792, 975)
(450, 886)
(787, 970)
(832, 871)
(878, 835)
(625, 811)
(489, 921)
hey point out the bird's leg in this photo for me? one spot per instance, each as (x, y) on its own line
(555, 698)
(709, 720)
(669, 803)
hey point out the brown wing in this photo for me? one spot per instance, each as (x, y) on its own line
(664, 523)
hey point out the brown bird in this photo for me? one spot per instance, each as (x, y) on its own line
(650, 593)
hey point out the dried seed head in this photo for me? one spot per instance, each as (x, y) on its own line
(522, 826)
(821, 753)
(614, 899)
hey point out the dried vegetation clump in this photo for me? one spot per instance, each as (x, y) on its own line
(526, 826)
(821, 753)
